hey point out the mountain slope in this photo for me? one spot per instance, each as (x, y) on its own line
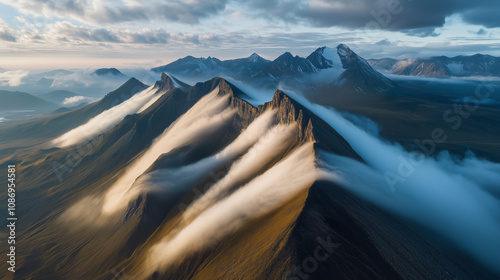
(23, 101)
(359, 74)
(57, 96)
(43, 127)
(203, 185)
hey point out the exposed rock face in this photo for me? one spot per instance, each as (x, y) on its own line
(318, 59)
(360, 74)
(165, 83)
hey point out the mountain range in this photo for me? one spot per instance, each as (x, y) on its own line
(289, 66)
(441, 66)
(254, 67)
(200, 181)
(23, 101)
(265, 218)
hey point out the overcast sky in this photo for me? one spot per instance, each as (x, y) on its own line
(49, 34)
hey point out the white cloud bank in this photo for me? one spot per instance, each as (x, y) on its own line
(263, 194)
(12, 78)
(105, 120)
(456, 198)
(206, 115)
(76, 99)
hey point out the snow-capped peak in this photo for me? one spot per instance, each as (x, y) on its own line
(343, 50)
(331, 55)
(254, 57)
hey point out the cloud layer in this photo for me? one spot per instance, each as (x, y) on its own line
(455, 198)
(75, 100)
(388, 14)
(206, 115)
(105, 120)
(105, 11)
(260, 196)
(12, 78)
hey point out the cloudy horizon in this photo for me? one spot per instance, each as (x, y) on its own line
(36, 34)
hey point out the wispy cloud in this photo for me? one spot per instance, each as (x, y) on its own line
(105, 11)
(6, 32)
(68, 32)
(76, 99)
(105, 120)
(263, 194)
(12, 78)
(204, 117)
(455, 198)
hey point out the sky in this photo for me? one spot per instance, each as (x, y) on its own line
(53, 34)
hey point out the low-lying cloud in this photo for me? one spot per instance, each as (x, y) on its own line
(76, 99)
(178, 180)
(203, 118)
(13, 78)
(273, 144)
(105, 120)
(457, 198)
(256, 198)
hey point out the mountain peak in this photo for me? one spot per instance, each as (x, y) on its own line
(320, 49)
(108, 71)
(345, 54)
(285, 56)
(324, 57)
(168, 82)
(359, 72)
(129, 88)
(254, 57)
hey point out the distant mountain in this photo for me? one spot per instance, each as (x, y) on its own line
(55, 73)
(254, 67)
(56, 96)
(324, 58)
(289, 65)
(53, 125)
(67, 109)
(249, 65)
(359, 73)
(383, 64)
(441, 66)
(2, 69)
(45, 82)
(190, 65)
(108, 71)
(23, 101)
